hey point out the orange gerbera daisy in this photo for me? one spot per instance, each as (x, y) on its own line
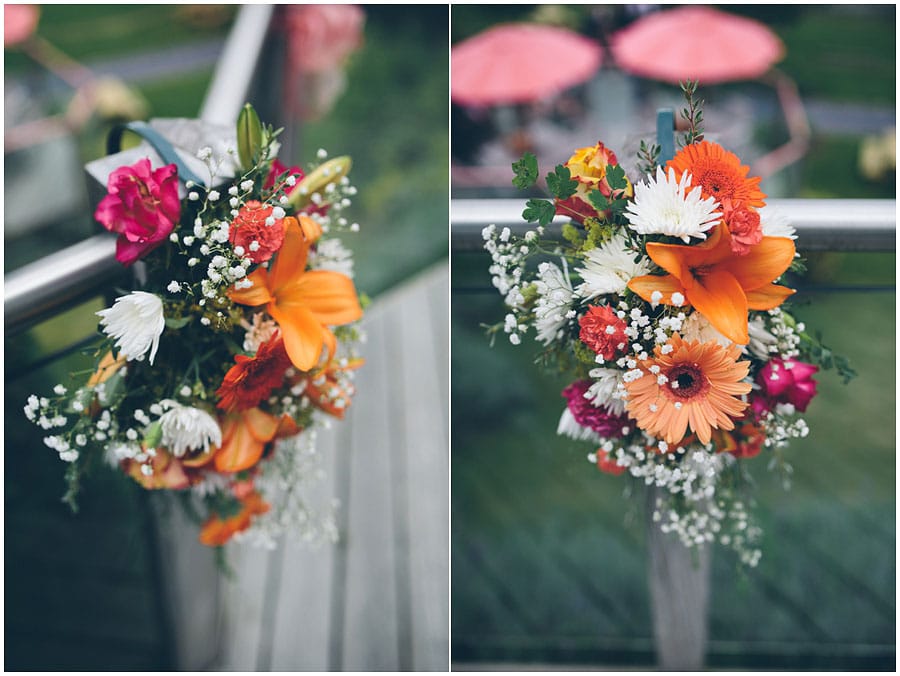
(719, 283)
(303, 302)
(718, 173)
(696, 385)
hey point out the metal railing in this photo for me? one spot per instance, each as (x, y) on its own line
(862, 225)
(61, 280)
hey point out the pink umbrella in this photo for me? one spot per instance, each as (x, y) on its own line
(697, 43)
(19, 22)
(520, 63)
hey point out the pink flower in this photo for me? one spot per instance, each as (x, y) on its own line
(597, 418)
(142, 207)
(589, 166)
(277, 169)
(785, 381)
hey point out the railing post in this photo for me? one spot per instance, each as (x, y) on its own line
(678, 576)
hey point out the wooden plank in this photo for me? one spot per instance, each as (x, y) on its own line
(425, 454)
(369, 631)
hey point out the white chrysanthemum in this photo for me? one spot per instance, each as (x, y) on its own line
(568, 427)
(136, 322)
(554, 298)
(774, 224)
(697, 327)
(330, 254)
(602, 391)
(185, 428)
(608, 269)
(761, 340)
(669, 207)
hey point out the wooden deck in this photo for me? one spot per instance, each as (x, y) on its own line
(378, 599)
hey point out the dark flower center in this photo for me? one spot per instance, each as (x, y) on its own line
(687, 381)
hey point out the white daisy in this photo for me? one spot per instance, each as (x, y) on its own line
(761, 340)
(136, 322)
(185, 428)
(667, 207)
(554, 299)
(774, 224)
(608, 269)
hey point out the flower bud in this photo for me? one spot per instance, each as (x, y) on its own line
(329, 172)
(249, 136)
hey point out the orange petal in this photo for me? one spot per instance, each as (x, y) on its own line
(241, 451)
(261, 425)
(719, 297)
(764, 264)
(258, 294)
(768, 297)
(107, 368)
(645, 285)
(215, 532)
(290, 261)
(287, 427)
(311, 230)
(302, 333)
(329, 295)
(679, 259)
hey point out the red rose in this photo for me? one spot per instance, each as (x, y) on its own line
(249, 230)
(588, 166)
(142, 207)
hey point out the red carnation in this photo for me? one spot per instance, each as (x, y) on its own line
(603, 331)
(252, 379)
(249, 230)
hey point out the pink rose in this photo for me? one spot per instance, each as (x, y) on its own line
(142, 207)
(785, 381)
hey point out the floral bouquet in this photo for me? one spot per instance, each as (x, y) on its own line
(241, 339)
(665, 301)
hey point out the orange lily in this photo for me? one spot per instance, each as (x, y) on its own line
(303, 303)
(719, 284)
(216, 531)
(324, 389)
(245, 435)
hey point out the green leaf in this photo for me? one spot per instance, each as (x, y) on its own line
(615, 177)
(598, 200)
(526, 170)
(179, 323)
(539, 211)
(561, 184)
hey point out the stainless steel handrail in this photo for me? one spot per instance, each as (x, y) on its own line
(58, 281)
(822, 224)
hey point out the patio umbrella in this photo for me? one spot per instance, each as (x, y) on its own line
(711, 46)
(520, 63)
(699, 43)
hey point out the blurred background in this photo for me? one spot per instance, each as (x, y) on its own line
(549, 556)
(87, 591)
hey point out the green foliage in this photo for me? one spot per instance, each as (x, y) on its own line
(615, 177)
(648, 157)
(820, 354)
(693, 114)
(561, 184)
(603, 204)
(573, 235)
(539, 211)
(526, 171)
